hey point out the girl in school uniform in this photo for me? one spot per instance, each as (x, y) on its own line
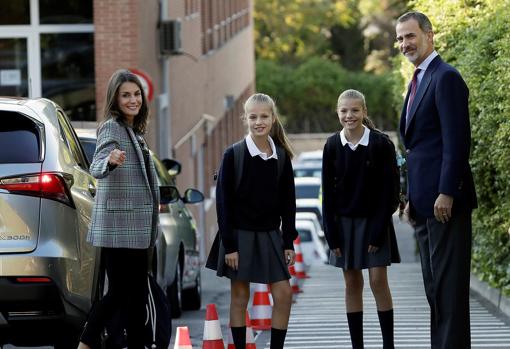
(357, 182)
(252, 246)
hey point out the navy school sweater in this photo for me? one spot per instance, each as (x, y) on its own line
(260, 203)
(355, 184)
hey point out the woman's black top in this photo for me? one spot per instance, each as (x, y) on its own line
(358, 183)
(260, 203)
(146, 160)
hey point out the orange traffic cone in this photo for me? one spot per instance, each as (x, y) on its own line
(293, 280)
(299, 264)
(250, 338)
(212, 329)
(182, 340)
(261, 308)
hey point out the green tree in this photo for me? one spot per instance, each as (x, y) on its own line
(377, 19)
(306, 94)
(348, 44)
(308, 51)
(290, 31)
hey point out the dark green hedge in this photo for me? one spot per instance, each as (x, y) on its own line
(306, 94)
(474, 36)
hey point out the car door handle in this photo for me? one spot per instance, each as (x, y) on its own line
(92, 189)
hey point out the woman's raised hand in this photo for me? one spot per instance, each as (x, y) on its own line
(117, 157)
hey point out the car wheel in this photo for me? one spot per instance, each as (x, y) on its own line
(192, 298)
(174, 294)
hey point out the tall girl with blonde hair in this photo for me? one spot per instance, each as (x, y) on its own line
(357, 187)
(252, 246)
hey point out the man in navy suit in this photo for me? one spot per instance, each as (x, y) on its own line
(436, 133)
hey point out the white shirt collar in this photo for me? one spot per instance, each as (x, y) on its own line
(363, 140)
(254, 150)
(426, 62)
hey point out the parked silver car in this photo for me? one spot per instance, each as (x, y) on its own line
(177, 261)
(49, 274)
(47, 269)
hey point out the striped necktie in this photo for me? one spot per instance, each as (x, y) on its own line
(414, 87)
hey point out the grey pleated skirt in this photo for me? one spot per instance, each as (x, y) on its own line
(355, 247)
(261, 258)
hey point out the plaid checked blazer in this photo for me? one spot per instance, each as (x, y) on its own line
(125, 214)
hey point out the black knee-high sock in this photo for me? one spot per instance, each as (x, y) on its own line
(386, 322)
(355, 321)
(239, 336)
(277, 338)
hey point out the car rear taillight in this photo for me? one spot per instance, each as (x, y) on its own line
(50, 185)
(33, 280)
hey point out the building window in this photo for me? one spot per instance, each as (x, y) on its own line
(54, 49)
(221, 20)
(15, 12)
(65, 12)
(191, 7)
(67, 70)
(13, 67)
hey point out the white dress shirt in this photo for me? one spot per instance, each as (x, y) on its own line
(363, 140)
(254, 150)
(424, 65)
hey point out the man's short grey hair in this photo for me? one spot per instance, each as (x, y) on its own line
(423, 21)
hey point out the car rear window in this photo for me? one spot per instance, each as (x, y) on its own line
(307, 191)
(89, 146)
(310, 209)
(307, 173)
(19, 139)
(305, 235)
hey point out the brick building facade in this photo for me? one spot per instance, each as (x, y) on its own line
(66, 51)
(206, 85)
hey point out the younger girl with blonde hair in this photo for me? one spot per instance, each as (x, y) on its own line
(357, 187)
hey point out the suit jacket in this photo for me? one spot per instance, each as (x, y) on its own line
(437, 140)
(125, 213)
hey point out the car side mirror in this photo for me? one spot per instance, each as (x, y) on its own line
(172, 166)
(192, 196)
(168, 194)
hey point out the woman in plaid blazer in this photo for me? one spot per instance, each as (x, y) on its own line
(125, 215)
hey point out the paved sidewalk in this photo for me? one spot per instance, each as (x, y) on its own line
(318, 318)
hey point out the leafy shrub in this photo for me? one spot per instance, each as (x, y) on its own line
(306, 94)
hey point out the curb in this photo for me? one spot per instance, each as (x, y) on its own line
(492, 295)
